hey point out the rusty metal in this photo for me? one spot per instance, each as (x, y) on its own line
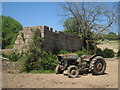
(66, 54)
(69, 56)
(95, 41)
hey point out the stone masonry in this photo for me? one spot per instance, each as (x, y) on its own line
(51, 40)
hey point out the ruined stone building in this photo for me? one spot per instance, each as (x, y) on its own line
(52, 40)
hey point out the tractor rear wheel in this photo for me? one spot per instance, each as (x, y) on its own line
(72, 71)
(98, 65)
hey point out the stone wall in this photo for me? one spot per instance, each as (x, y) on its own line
(25, 37)
(61, 41)
(51, 40)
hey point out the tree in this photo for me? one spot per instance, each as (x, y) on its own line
(88, 17)
(71, 27)
(10, 29)
(112, 36)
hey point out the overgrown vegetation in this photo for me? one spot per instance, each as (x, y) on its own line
(37, 59)
(106, 53)
(40, 61)
(79, 52)
(10, 29)
(12, 56)
(99, 51)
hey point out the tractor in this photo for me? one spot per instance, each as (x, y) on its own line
(73, 64)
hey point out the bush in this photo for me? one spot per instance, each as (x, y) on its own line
(99, 52)
(80, 53)
(12, 56)
(108, 53)
(64, 52)
(118, 53)
(37, 59)
(55, 50)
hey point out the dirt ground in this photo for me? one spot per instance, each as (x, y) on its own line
(23, 80)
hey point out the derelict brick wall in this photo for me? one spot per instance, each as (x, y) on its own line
(60, 40)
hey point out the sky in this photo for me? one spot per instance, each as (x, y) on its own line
(35, 13)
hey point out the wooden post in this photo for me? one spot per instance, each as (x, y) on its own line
(87, 46)
(95, 42)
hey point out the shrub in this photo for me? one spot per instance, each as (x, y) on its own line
(37, 59)
(99, 52)
(83, 49)
(80, 53)
(64, 52)
(118, 53)
(55, 50)
(108, 53)
(12, 56)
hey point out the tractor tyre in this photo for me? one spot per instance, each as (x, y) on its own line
(98, 65)
(58, 70)
(72, 71)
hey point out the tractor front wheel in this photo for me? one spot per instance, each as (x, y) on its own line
(72, 71)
